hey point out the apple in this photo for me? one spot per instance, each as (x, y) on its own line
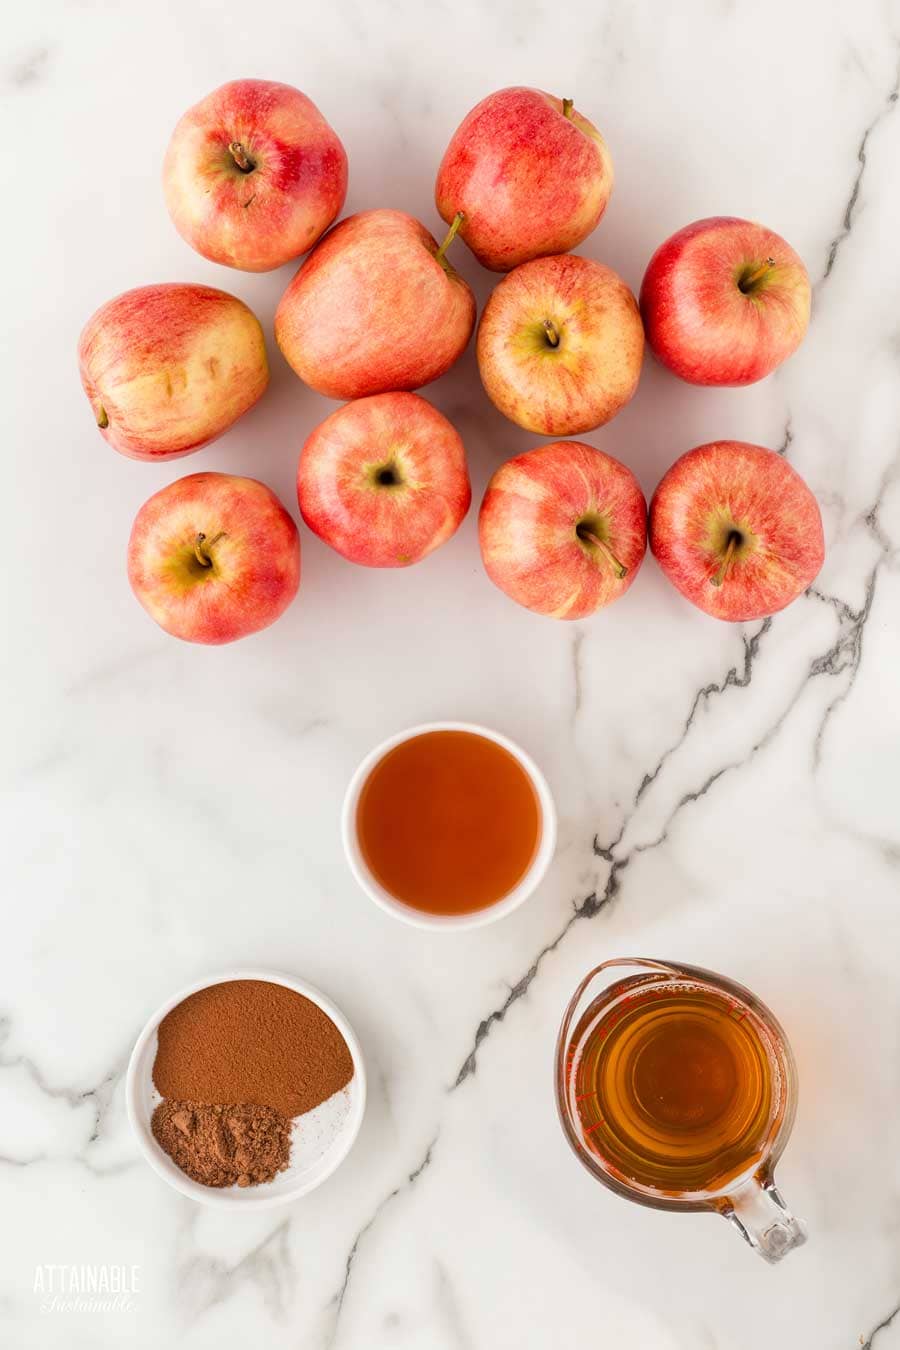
(560, 345)
(383, 480)
(375, 308)
(531, 175)
(213, 557)
(169, 368)
(254, 175)
(736, 530)
(563, 529)
(725, 301)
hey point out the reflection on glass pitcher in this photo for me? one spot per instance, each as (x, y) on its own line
(677, 1088)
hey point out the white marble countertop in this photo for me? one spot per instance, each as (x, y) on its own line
(728, 796)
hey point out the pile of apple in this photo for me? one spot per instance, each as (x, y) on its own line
(254, 176)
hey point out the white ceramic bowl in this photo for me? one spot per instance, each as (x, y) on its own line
(320, 1144)
(419, 918)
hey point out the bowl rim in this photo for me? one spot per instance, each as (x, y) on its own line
(417, 918)
(223, 1198)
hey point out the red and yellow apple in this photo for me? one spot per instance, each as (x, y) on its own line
(213, 557)
(383, 480)
(375, 308)
(254, 175)
(563, 529)
(531, 175)
(169, 368)
(736, 530)
(560, 345)
(725, 301)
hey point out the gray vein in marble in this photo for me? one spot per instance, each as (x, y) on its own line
(113, 1170)
(788, 438)
(43, 765)
(70, 1095)
(844, 654)
(100, 1093)
(818, 666)
(846, 651)
(35, 1159)
(111, 671)
(285, 713)
(707, 1337)
(337, 1301)
(29, 69)
(267, 1266)
(850, 209)
(732, 680)
(586, 909)
(882, 1326)
(840, 607)
(516, 992)
(871, 519)
(378, 1076)
(100, 1097)
(448, 1305)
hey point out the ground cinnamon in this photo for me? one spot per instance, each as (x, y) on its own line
(250, 1041)
(224, 1145)
(235, 1062)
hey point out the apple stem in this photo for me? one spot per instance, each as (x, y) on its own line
(568, 105)
(450, 235)
(552, 332)
(725, 565)
(749, 279)
(619, 568)
(102, 418)
(201, 548)
(241, 158)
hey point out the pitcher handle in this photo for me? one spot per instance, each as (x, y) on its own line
(562, 1055)
(763, 1219)
(614, 963)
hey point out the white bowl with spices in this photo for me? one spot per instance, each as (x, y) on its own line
(320, 1138)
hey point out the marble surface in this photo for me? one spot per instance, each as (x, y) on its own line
(727, 796)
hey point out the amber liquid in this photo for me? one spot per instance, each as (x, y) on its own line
(448, 822)
(677, 1087)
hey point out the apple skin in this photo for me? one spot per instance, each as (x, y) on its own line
(372, 310)
(400, 438)
(275, 210)
(594, 368)
(730, 486)
(169, 368)
(530, 178)
(253, 549)
(529, 522)
(702, 324)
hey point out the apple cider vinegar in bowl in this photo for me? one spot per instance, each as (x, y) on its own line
(449, 825)
(448, 822)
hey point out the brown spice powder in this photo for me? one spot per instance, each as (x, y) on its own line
(251, 1042)
(224, 1145)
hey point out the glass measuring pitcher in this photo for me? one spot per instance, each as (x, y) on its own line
(677, 1088)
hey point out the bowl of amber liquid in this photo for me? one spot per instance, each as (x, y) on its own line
(448, 825)
(677, 1088)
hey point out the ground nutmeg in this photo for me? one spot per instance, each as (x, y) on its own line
(259, 1054)
(224, 1145)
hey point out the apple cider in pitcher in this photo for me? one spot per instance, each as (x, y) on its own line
(674, 1086)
